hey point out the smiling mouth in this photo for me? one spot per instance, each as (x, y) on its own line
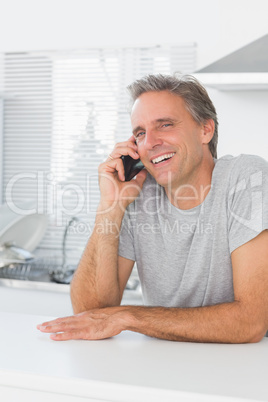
(162, 158)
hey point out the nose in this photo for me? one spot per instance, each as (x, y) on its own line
(152, 139)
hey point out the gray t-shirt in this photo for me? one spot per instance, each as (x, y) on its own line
(183, 257)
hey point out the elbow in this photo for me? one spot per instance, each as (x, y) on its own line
(254, 332)
(249, 325)
(88, 299)
(77, 299)
(248, 337)
(77, 303)
(257, 328)
(258, 334)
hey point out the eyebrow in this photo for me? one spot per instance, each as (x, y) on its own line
(157, 121)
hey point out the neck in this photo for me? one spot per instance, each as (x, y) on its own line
(193, 191)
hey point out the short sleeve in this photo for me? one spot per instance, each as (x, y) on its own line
(126, 247)
(247, 200)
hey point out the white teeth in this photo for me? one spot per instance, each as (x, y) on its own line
(162, 157)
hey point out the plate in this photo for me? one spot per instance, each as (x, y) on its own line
(22, 227)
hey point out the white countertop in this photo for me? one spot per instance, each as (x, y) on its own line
(49, 299)
(128, 367)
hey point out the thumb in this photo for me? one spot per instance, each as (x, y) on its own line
(140, 178)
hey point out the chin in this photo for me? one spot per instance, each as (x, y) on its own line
(164, 179)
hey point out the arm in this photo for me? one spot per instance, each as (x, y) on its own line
(244, 320)
(101, 276)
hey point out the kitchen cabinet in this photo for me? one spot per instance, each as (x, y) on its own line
(129, 367)
(245, 69)
(234, 81)
(47, 301)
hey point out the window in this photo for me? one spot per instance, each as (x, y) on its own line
(62, 113)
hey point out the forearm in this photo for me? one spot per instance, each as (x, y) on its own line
(223, 323)
(95, 283)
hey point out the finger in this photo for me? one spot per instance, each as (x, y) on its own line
(45, 324)
(140, 178)
(118, 152)
(124, 148)
(127, 144)
(60, 326)
(56, 321)
(113, 166)
(131, 142)
(67, 336)
(132, 139)
(51, 328)
(84, 333)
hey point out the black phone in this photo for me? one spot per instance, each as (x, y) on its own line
(131, 166)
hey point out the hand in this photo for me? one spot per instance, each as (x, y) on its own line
(112, 183)
(94, 324)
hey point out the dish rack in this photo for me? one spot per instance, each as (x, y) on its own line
(40, 270)
(48, 269)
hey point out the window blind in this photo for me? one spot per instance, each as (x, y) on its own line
(64, 112)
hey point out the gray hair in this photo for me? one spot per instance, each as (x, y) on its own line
(195, 96)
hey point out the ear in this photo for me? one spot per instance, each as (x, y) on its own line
(208, 131)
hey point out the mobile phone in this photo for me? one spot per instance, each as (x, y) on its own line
(131, 166)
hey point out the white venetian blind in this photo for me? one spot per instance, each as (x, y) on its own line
(64, 112)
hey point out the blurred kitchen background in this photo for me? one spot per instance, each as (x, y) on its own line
(64, 67)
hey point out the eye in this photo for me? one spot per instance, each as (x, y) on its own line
(140, 134)
(166, 125)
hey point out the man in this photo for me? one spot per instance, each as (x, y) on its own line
(196, 227)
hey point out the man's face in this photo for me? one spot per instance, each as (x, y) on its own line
(169, 140)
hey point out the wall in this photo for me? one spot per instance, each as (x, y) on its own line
(1, 149)
(242, 122)
(217, 26)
